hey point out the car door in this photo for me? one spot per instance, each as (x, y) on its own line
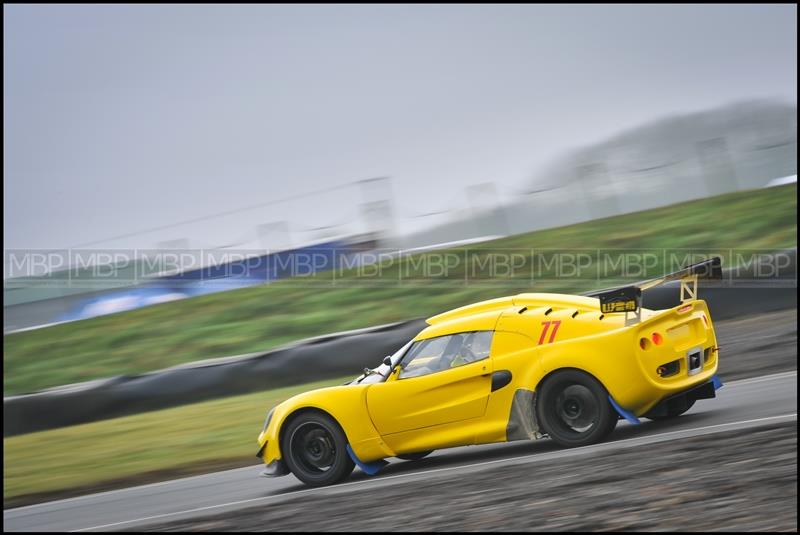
(440, 381)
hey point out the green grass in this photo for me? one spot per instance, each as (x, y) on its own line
(263, 317)
(191, 437)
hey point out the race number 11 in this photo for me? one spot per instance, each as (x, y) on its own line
(556, 324)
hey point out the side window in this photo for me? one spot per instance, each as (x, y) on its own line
(445, 352)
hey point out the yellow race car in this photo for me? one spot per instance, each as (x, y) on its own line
(515, 368)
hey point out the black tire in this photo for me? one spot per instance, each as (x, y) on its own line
(415, 456)
(315, 449)
(673, 410)
(573, 409)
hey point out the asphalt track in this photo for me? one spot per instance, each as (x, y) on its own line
(739, 405)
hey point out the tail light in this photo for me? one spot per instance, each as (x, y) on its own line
(657, 339)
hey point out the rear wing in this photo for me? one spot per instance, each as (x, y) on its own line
(628, 299)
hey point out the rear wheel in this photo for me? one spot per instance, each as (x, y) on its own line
(414, 456)
(315, 450)
(574, 410)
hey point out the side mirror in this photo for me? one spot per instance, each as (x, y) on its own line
(387, 360)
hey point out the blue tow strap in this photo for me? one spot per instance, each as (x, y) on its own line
(717, 382)
(368, 468)
(622, 412)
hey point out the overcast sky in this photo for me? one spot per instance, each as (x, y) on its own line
(121, 118)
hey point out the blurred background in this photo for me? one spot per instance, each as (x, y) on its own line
(252, 130)
(193, 182)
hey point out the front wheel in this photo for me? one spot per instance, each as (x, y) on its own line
(573, 409)
(315, 450)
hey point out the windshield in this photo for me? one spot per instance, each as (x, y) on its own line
(379, 374)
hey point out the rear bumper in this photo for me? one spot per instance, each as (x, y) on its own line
(706, 390)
